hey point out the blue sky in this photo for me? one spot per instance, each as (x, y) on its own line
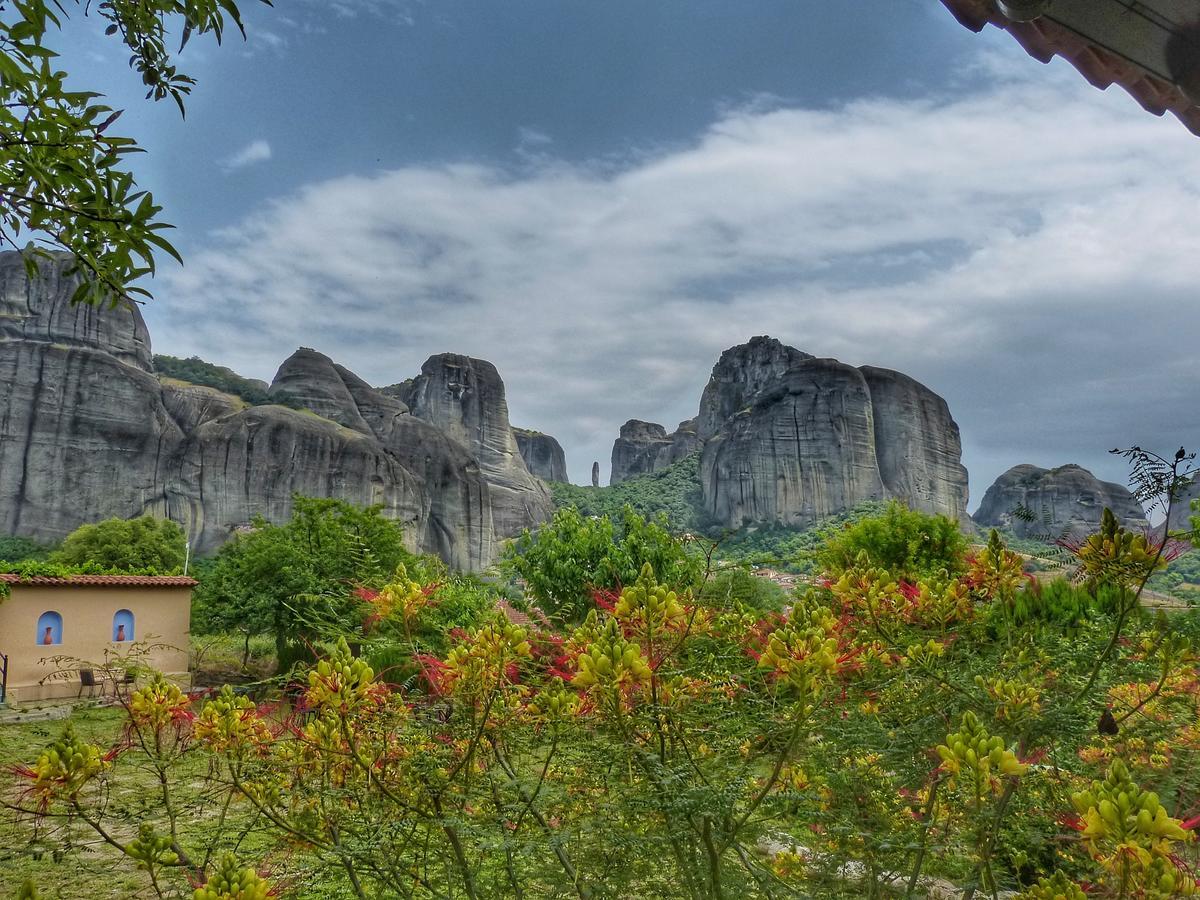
(600, 197)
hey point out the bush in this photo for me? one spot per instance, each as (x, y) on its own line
(907, 543)
(566, 558)
(737, 589)
(18, 549)
(145, 544)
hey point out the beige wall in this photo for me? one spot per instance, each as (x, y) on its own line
(161, 616)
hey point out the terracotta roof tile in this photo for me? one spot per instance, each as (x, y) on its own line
(102, 580)
(1043, 39)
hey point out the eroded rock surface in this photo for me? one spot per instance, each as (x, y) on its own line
(464, 397)
(1051, 503)
(917, 444)
(543, 455)
(787, 438)
(87, 432)
(801, 449)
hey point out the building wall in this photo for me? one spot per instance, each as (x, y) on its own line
(161, 617)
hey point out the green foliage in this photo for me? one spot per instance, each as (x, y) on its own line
(194, 370)
(674, 492)
(19, 549)
(1059, 602)
(572, 554)
(907, 543)
(61, 175)
(296, 580)
(42, 568)
(736, 589)
(145, 544)
(790, 549)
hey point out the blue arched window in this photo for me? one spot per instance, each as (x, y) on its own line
(49, 628)
(122, 625)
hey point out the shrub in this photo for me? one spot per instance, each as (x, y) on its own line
(906, 542)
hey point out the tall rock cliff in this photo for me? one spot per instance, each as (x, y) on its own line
(787, 439)
(1038, 503)
(464, 397)
(802, 448)
(917, 444)
(543, 455)
(645, 447)
(87, 431)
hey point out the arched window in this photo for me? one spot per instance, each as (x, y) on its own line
(49, 628)
(122, 625)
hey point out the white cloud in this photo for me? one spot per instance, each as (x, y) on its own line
(254, 152)
(1029, 252)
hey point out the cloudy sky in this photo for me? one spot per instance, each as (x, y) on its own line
(599, 197)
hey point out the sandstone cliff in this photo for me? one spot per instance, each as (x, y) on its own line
(645, 447)
(543, 455)
(464, 398)
(787, 439)
(87, 431)
(1051, 503)
(802, 449)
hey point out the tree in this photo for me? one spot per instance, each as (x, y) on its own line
(144, 544)
(906, 542)
(61, 170)
(297, 580)
(569, 556)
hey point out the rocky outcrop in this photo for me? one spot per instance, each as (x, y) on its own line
(635, 451)
(917, 444)
(1042, 503)
(464, 397)
(645, 447)
(787, 439)
(39, 310)
(802, 447)
(87, 431)
(739, 376)
(543, 455)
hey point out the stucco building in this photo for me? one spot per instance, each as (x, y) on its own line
(47, 624)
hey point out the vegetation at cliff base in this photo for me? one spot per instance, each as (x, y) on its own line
(144, 544)
(674, 492)
(923, 713)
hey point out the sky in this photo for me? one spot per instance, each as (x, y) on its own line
(600, 197)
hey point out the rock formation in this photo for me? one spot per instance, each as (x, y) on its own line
(464, 398)
(801, 449)
(596, 473)
(543, 455)
(1051, 503)
(917, 444)
(87, 431)
(645, 447)
(787, 439)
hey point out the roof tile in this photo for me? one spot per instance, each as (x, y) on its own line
(101, 580)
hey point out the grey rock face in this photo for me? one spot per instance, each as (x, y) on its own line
(543, 455)
(83, 436)
(1066, 500)
(739, 375)
(40, 310)
(88, 432)
(802, 449)
(645, 447)
(635, 452)
(917, 444)
(464, 397)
